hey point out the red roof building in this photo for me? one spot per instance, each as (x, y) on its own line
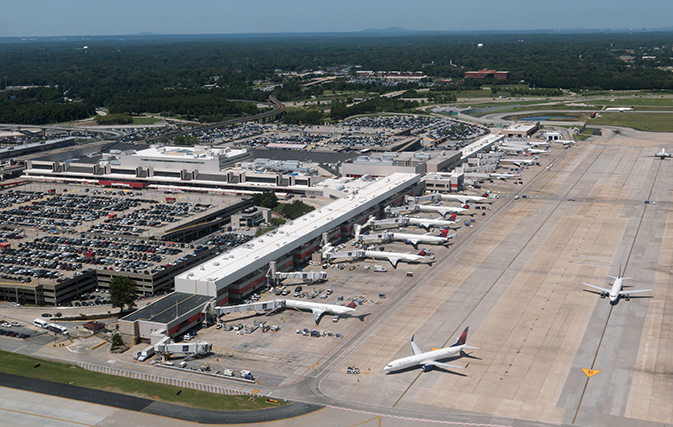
(482, 74)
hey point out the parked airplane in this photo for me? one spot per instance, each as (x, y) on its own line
(415, 239)
(567, 141)
(662, 154)
(428, 223)
(395, 257)
(616, 292)
(537, 150)
(329, 253)
(319, 309)
(518, 162)
(464, 198)
(506, 175)
(442, 210)
(430, 359)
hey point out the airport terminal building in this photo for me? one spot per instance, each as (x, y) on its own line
(232, 276)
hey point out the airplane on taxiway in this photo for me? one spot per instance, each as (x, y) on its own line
(662, 154)
(430, 359)
(616, 292)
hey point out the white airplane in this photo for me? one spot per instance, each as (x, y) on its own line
(415, 239)
(506, 175)
(464, 198)
(567, 141)
(428, 223)
(537, 150)
(620, 109)
(395, 257)
(442, 210)
(430, 359)
(319, 309)
(518, 162)
(662, 154)
(616, 292)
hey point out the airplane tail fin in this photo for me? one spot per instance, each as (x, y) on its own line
(453, 217)
(352, 304)
(466, 206)
(484, 195)
(463, 338)
(444, 233)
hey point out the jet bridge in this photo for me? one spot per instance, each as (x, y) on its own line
(268, 306)
(421, 199)
(307, 276)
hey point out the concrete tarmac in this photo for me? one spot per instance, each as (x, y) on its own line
(516, 281)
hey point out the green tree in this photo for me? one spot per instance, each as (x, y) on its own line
(267, 199)
(123, 292)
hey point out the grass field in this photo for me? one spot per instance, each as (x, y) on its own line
(18, 364)
(653, 122)
(145, 120)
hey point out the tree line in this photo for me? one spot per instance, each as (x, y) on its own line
(195, 79)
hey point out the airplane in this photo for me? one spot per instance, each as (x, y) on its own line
(442, 210)
(616, 292)
(319, 309)
(567, 141)
(537, 150)
(428, 360)
(464, 198)
(395, 257)
(428, 223)
(662, 154)
(415, 239)
(518, 162)
(506, 175)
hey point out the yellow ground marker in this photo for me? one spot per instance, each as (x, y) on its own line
(591, 372)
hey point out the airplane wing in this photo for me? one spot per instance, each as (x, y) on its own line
(413, 241)
(316, 314)
(633, 292)
(414, 347)
(598, 287)
(393, 261)
(442, 365)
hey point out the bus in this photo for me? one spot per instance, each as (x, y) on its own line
(40, 323)
(57, 329)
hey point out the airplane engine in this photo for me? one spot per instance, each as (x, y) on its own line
(427, 368)
(603, 295)
(627, 297)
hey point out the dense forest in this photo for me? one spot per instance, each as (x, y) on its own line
(195, 79)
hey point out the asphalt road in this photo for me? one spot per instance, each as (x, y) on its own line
(132, 403)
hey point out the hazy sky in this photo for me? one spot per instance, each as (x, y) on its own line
(97, 17)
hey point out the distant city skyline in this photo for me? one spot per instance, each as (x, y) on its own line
(48, 18)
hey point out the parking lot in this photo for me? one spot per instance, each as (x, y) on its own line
(53, 233)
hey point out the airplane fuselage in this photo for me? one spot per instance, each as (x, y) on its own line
(417, 359)
(420, 238)
(442, 210)
(427, 223)
(615, 291)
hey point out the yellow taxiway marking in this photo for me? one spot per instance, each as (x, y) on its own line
(591, 372)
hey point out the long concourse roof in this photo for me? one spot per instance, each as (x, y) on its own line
(236, 264)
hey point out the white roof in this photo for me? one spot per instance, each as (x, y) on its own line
(194, 152)
(231, 266)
